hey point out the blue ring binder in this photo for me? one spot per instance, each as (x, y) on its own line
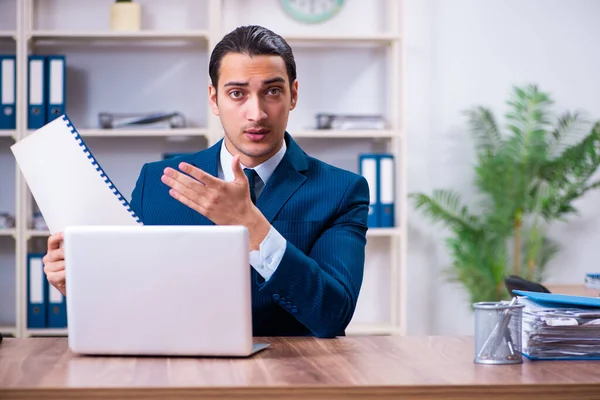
(95, 163)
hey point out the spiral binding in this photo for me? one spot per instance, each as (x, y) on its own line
(103, 175)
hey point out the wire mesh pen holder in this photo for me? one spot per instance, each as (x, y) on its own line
(498, 327)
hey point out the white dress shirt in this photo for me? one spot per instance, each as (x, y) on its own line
(271, 250)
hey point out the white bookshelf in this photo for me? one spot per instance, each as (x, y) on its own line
(40, 31)
(91, 36)
(341, 40)
(344, 134)
(8, 35)
(8, 232)
(8, 330)
(45, 332)
(8, 133)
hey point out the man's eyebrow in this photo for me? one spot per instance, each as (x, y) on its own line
(274, 80)
(265, 82)
(233, 83)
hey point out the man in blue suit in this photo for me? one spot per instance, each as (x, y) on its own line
(307, 220)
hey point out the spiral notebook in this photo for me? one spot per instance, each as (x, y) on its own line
(67, 182)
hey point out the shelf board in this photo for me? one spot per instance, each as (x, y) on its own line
(8, 330)
(7, 34)
(37, 233)
(343, 134)
(8, 133)
(201, 132)
(149, 35)
(8, 232)
(364, 329)
(47, 332)
(367, 39)
(383, 232)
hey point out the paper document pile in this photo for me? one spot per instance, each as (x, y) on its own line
(559, 326)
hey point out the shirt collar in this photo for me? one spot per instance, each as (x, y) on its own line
(264, 170)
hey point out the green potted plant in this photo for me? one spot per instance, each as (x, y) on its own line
(528, 174)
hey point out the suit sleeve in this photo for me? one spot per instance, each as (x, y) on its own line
(137, 196)
(320, 289)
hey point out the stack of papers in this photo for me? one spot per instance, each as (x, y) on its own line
(592, 281)
(557, 326)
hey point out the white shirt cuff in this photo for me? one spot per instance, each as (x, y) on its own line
(266, 259)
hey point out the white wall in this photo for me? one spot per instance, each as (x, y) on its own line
(463, 53)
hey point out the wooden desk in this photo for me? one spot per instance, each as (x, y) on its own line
(574, 290)
(293, 368)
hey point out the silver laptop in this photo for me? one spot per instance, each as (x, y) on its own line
(159, 290)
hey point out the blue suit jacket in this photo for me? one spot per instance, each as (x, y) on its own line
(321, 211)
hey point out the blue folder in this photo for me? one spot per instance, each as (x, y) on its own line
(560, 300)
(36, 92)
(8, 79)
(56, 309)
(387, 187)
(56, 85)
(36, 292)
(368, 167)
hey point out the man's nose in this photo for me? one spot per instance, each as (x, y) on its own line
(254, 110)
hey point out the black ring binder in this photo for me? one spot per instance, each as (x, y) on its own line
(96, 164)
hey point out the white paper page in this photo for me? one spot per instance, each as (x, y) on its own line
(66, 181)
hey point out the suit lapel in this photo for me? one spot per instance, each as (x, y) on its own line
(285, 181)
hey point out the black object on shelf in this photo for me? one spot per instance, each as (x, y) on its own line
(515, 282)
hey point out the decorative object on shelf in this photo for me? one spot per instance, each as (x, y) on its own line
(312, 11)
(125, 16)
(157, 120)
(38, 222)
(350, 122)
(7, 221)
(526, 179)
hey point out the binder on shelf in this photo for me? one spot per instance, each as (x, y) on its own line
(368, 168)
(8, 79)
(36, 292)
(386, 190)
(36, 97)
(56, 86)
(57, 308)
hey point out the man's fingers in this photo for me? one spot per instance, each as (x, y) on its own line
(57, 279)
(238, 172)
(54, 255)
(179, 181)
(187, 202)
(55, 240)
(198, 174)
(54, 267)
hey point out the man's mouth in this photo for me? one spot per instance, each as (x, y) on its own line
(256, 134)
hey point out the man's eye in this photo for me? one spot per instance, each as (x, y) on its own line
(274, 91)
(236, 94)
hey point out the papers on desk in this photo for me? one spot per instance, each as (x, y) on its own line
(559, 326)
(592, 281)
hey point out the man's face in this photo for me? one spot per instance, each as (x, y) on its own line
(253, 102)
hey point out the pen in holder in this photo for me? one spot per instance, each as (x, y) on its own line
(498, 327)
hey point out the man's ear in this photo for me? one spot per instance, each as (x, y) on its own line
(212, 99)
(294, 95)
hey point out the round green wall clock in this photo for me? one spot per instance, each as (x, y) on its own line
(312, 11)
